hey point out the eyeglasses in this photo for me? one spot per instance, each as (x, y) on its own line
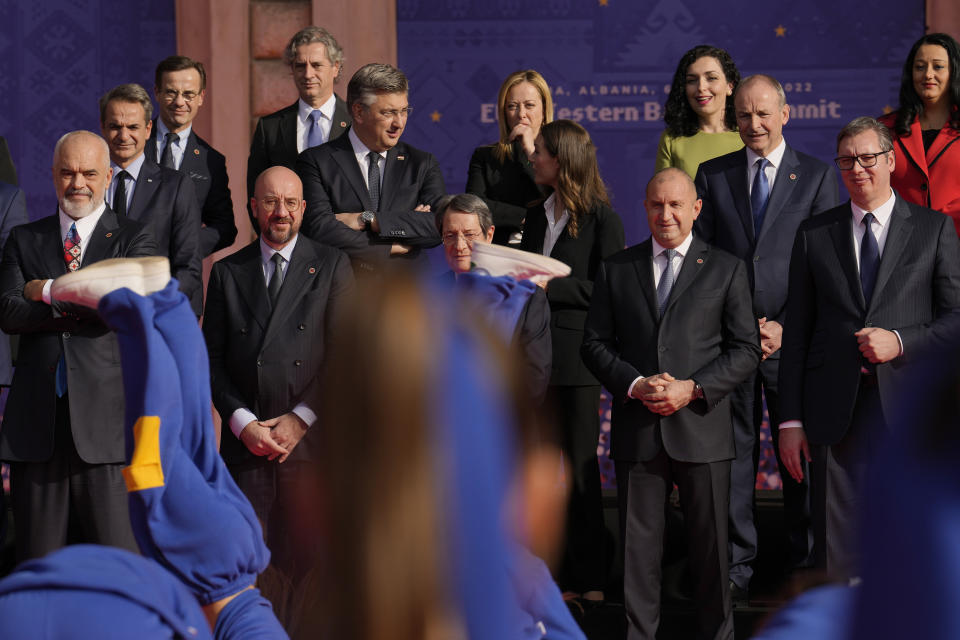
(390, 114)
(271, 204)
(453, 237)
(170, 95)
(866, 160)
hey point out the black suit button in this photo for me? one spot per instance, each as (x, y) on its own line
(297, 363)
(661, 349)
(756, 258)
(301, 326)
(66, 334)
(259, 362)
(243, 331)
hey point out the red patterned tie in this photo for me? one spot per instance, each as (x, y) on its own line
(71, 249)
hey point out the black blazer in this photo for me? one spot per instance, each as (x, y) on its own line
(269, 361)
(275, 142)
(917, 293)
(507, 188)
(13, 212)
(333, 183)
(600, 235)
(8, 172)
(707, 333)
(35, 251)
(208, 169)
(166, 202)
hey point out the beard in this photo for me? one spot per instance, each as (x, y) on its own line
(281, 236)
(79, 209)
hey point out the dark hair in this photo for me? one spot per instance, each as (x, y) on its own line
(464, 203)
(179, 63)
(679, 116)
(127, 93)
(866, 123)
(911, 106)
(372, 79)
(579, 186)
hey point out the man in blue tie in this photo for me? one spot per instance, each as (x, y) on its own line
(874, 283)
(63, 424)
(753, 200)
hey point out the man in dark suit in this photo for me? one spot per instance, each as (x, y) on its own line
(63, 424)
(464, 220)
(873, 283)
(162, 199)
(670, 333)
(368, 193)
(13, 212)
(271, 308)
(316, 60)
(180, 85)
(754, 215)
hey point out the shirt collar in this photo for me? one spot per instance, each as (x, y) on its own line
(682, 249)
(266, 251)
(881, 213)
(85, 225)
(304, 110)
(133, 169)
(548, 208)
(162, 132)
(775, 157)
(361, 150)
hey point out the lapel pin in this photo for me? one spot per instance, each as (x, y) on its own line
(109, 235)
(149, 179)
(793, 176)
(343, 124)
(400, 158)
(196, 152)
(699, 260)
(313, 270)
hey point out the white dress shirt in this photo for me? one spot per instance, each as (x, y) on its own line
(134, 171)
(659, 264)
(85, 227)
(361, 151)
(554, 227)
(243, 416)
(303, 121)
(774, 160)
(179, 143)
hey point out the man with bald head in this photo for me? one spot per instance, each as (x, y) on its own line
(671, 333)
(754, 214)
(63, 425)
(270, 311)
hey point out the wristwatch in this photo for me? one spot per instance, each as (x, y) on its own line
(697, 390)
(367, 217)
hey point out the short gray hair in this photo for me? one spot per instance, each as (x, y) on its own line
(86, 134)
(372, 79)
(464, 203)
(127, 93)
(866, 123)
(770, 80)
(310, 35)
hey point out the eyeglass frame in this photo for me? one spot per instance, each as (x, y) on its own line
(452, 238)
(858, 159)
(268, 207)
(170, 95)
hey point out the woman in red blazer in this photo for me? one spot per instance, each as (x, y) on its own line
(926, 128)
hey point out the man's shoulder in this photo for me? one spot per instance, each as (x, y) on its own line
(240, 257)
(310, 249)
(42, 225)
(629, 255)
(206, 146)
(827, 218)
(810, 162)
(408, 151)
(280, 114)
(724, 162)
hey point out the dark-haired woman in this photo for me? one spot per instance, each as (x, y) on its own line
(926, 127)
(575, 225)
(699, 114)
(500, 173)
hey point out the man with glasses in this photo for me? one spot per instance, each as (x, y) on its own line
(180, 85)
(319, 115)
(874, 283)
(753, 213)
(270, 311)
(367, 192)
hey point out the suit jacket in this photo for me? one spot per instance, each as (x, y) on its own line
(333, 183)
(600, 235)
(94, 382)
(275, 142)
(707, 333)
(207, 169)
(269, 361)
(917, 293)
(165, 201)
(927, 177)
(13, 212)
(8, 172)
(507, 187)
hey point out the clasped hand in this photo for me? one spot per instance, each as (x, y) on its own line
(663, 394)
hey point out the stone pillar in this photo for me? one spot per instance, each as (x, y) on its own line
(943, 16)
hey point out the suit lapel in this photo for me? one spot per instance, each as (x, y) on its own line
(394, 168)
(303, 267)
(696, 257)
(150, 148)
(788, 175)
(249, 275)
(194, 157)
(341, 120)
(842, 234)
(343, 155)
(147, 184)
(100, 241)
(736, 175)
(53, 260)
(912, 146)
(535, 227)
(287, 132)
(898, 237)
(643, 264)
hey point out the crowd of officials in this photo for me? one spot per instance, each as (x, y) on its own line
(757, 287)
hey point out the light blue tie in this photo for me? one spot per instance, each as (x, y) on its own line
(315, 136)
(666, 281)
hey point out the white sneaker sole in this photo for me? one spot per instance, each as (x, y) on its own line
(87, 285)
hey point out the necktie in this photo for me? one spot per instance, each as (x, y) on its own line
(120, 194)
(869, 258)
(759, 195)
(373, 180)
(273, 289)
(315, 135)
(166, 160)
(71, 256)
(666, 281)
